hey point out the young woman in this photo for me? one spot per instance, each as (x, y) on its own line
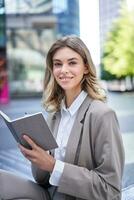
(88, 164)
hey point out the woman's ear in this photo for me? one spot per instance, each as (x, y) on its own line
(86, 69)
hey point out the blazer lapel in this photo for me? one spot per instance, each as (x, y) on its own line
(76, 131)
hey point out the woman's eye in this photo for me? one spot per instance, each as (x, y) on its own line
(72, 63)
(57, 64)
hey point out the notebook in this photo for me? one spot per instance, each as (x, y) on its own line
(33, 125)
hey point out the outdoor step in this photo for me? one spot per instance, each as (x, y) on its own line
(15, 155)
(14, 163)
(16, 172)
(13, 160)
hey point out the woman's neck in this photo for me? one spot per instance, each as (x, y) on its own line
(70, 97)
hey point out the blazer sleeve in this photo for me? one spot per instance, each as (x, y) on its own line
(104, 181)
(40, 176)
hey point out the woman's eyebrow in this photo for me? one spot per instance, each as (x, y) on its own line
(69, 59)
(57, 60)
(72, 59)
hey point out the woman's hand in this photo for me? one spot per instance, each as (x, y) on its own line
(38, 156)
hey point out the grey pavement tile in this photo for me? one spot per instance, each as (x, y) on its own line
(128, 141)
(128, 193)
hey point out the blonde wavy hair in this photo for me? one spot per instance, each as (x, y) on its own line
(52, 92)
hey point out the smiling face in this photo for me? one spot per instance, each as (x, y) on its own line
(68, 70)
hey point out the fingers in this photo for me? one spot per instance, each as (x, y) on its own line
(29, 153)
(38, 156)
(26, 152)
(30, 142)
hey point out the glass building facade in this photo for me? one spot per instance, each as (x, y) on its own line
(4, 92)
(67, 14)
(2, 26)
(31, 27)
(30, 30)
(109, 10)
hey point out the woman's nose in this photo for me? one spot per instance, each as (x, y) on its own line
(64, 68)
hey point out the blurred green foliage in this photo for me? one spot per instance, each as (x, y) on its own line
(118, 54)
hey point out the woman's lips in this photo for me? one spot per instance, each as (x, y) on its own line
(65, 78)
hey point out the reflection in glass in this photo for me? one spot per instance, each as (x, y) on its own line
(29, 6)
(4, 93)
(26, 51)
(32, 26)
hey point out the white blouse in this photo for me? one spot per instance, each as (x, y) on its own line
(68, 116)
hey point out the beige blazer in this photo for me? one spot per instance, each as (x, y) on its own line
(95, 142)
